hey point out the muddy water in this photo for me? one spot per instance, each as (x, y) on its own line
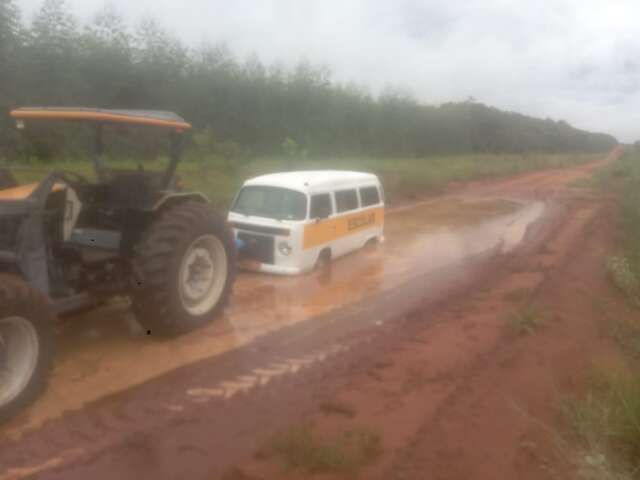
(106, 351)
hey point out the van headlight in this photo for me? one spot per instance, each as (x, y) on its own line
(284, 248)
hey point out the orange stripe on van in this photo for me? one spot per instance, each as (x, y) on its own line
(328, 230)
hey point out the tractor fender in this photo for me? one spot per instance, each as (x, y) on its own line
(133, 235)
(171, 199)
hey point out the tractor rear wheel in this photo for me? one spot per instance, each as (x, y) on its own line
(186, 265)
(26, 344)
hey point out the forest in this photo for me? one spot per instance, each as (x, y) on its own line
(239, 106)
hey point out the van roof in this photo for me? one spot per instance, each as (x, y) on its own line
(314, 180)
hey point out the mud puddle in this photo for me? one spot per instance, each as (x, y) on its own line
(106, 351)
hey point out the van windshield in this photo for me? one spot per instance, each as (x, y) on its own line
(271, 202)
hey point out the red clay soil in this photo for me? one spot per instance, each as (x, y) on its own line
(452, 391)
(469, 398)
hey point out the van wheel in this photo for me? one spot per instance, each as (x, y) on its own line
(324, 260)
(372, 244)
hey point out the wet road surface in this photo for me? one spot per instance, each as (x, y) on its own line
(106, 351)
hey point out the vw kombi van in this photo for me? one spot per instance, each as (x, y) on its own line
(289, 223)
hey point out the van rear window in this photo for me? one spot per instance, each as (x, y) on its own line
(346, 200)
(369, 196)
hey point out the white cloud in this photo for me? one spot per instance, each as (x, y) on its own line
(566, 59)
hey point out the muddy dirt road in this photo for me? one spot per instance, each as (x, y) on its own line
(122, 405)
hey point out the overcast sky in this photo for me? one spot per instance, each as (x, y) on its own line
(577, 60)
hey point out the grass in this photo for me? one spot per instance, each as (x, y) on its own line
(403, 178)
(625, 277)
(626, 333)
(623, 330)
(606, 423)
(299, 448)
(606, 420)
(526, 321)
(518, 295)
(623, 177)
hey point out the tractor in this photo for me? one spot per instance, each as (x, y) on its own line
(71, 242)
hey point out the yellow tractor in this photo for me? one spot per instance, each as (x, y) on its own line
(69, 242)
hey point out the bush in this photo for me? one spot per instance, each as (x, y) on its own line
(300, 448)
(624, 277)
(624, 176)
(607, 421)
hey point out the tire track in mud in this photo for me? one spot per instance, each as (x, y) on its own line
(259, 377)
(529, 378)
(187, 398)
(78, 437)
(99, 426)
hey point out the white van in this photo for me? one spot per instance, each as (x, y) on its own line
(289, 223)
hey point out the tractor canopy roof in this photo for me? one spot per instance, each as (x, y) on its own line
(129, 117)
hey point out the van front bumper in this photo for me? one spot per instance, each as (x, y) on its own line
(255, 266)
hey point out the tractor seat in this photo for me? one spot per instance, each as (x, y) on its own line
(23, 191)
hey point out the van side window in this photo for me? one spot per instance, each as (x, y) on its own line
(369, 196)
(346, 200)
(321, 206)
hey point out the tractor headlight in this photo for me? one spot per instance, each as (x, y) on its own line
(284, 248)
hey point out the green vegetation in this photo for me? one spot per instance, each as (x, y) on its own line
(300, 448)
(403, 179)
(607, 419)
(250, 119)
(238, 108)
(625, 277)
(518, 295)
(607, 424)
(526, 321)
(623, 177)
(626, 333)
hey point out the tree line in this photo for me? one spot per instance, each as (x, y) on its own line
(240, 106)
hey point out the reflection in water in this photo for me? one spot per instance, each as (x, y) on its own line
(515, 232)
(450, 244)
